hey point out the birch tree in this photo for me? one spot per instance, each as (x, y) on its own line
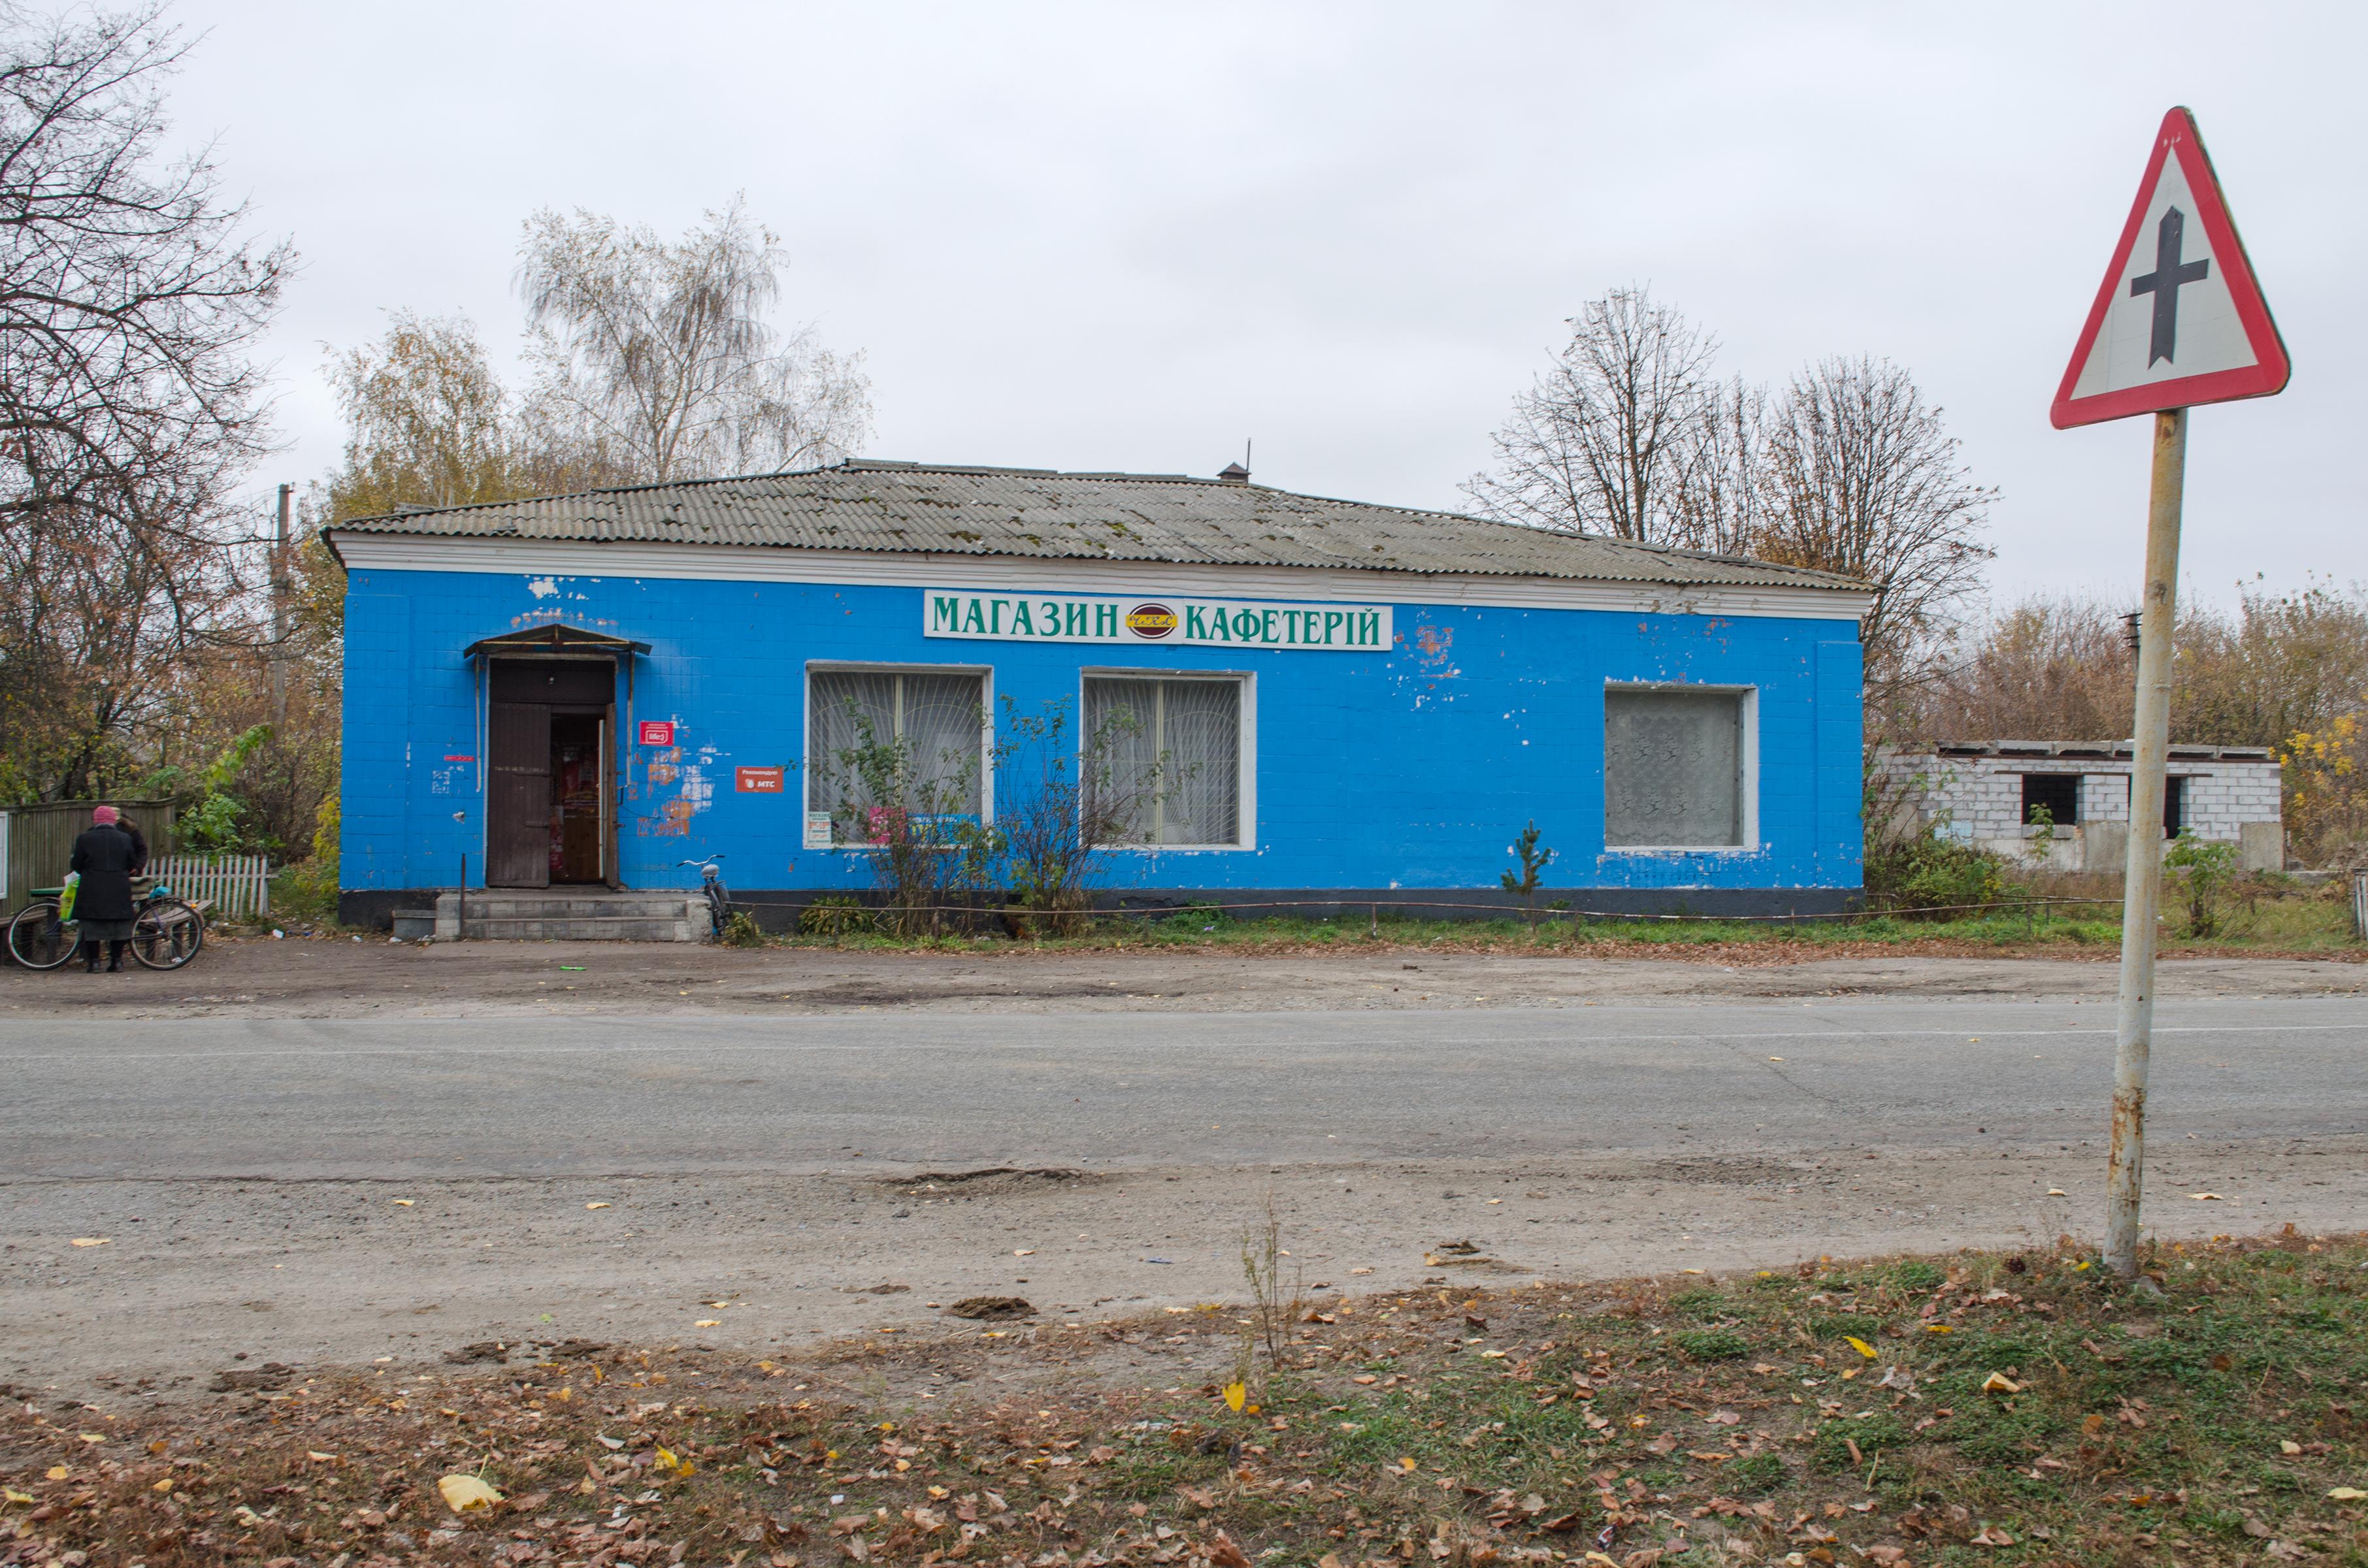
(661, 357)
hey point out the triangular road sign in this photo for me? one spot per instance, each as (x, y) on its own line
(2181, 319)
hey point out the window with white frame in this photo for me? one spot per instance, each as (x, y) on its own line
(1163, 759)
(1675, 769)
(925, 726)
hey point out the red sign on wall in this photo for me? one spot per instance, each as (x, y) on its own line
(657, 731)
(760, 781)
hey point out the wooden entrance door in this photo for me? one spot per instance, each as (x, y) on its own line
(518, 797)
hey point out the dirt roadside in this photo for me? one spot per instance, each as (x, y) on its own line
(321, 1274)
(297, 979)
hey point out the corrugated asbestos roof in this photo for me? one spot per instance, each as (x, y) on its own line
(908, 507)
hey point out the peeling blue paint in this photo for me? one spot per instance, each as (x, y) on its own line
(1369, 771)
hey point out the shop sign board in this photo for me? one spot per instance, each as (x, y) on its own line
(1141, 620)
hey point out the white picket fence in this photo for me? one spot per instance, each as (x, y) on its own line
(239, 885)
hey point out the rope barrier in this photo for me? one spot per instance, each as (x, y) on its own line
(1375, 905)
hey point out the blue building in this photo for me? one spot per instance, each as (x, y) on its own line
(1295, 697)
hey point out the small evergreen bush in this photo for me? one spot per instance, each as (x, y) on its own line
(834, 915)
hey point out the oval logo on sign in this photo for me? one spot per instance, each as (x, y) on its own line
(1151, 620)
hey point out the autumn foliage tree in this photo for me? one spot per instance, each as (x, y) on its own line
(2286, 672)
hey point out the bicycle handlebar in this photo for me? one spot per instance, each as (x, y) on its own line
(709, 861)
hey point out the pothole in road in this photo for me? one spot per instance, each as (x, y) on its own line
(996, 1181)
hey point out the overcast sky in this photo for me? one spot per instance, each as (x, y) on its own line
(1131, 237)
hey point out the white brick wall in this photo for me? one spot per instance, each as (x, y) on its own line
(1981, 797)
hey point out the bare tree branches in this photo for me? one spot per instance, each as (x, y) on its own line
(660, 356)
(1721, 504)
(1846, 469)
(1859, 478)
(130, 300)
(1605, 441)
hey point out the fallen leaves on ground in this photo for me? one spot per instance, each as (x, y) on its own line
(1593, 1437)
(462, 1493)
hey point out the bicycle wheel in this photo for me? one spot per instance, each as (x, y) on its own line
(167, 934)
(39, 939)
(718, 907)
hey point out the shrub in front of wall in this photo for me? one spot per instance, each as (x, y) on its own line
(834, 915)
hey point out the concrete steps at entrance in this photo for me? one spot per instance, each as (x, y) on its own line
(570, 914)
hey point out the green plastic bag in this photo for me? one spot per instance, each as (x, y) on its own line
(66, 899)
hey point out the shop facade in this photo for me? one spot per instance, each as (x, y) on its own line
(1304, 700)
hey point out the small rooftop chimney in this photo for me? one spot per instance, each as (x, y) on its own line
(1233, 473)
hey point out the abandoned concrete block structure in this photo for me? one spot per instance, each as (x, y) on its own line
(2065, 805)
(1348, 704)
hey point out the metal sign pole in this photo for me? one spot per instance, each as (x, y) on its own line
(2142, 885)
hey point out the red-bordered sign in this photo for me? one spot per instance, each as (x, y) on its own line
(2179, 319)
(657, 731)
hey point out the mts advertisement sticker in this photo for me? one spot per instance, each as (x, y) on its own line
(1200, 623)
(757, 780)
(657, 731)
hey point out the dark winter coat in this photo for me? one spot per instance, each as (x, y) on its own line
(104, 856)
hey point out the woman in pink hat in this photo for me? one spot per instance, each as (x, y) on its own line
(105, 857)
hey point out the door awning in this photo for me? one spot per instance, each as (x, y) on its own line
(555, 640)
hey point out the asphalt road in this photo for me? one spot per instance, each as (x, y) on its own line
(343, 1098)
(332, 1191)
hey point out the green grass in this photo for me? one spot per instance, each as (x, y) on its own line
(2274, 919)
(1713, 1344)
(2020, 1411)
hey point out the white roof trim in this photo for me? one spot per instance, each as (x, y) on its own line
(919, 569)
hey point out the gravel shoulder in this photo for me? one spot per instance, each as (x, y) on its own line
(201, 1278)
(296, 979)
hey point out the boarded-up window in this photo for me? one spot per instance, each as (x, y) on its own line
(2057, 794)
(1672, 770)
(934, 722)
(1170, 754)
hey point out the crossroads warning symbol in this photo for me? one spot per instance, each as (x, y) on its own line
(2179, 319)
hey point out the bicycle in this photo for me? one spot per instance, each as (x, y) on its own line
(711, 888)
(166, 932)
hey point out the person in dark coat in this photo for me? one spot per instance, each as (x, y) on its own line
(106, 856)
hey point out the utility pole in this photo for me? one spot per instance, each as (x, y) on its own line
(282, 590)
(2142, 882)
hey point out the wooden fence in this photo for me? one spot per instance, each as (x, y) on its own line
(239, 885)
(37, 841)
